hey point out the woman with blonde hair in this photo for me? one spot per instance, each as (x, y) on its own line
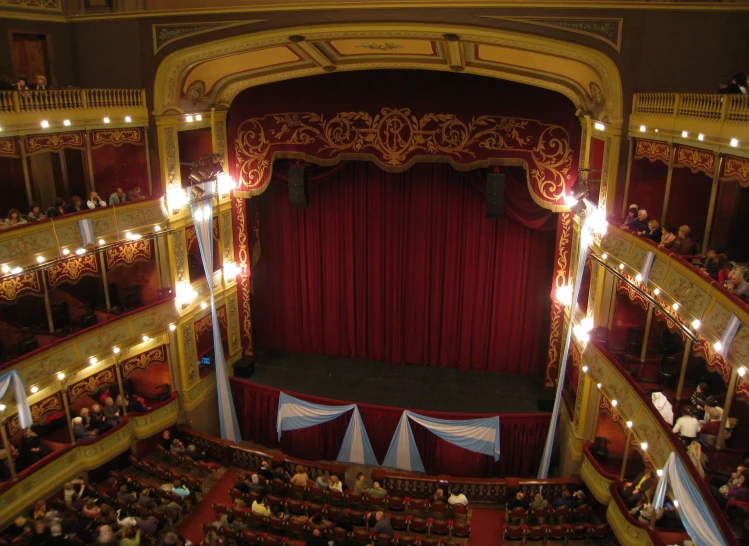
(335, 483)
(111, 412)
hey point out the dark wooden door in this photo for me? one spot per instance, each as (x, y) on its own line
(31, 56)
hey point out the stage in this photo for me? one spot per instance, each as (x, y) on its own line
(415, 387)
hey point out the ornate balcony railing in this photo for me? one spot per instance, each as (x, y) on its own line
(712, 107)
(56, 100)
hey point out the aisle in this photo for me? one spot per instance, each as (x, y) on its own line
(486, 527)
(191, 528)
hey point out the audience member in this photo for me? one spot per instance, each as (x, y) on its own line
(58, 209)
(281, 474)
(724, 268)
(383, 526)
(539, 502)
(98, 419)
(687, 426)
(40, 83)
(114, 418)
(119, 196)
(231, 523)
(32, 448)
(682, 244)
(699, 459)
(6, 83)
(21, 84)
(655, 232)
(334, 484)
(376, 491)
(439, 495)
(361, 486)
(700, 394)
(179, 489)
(135, 194)
(663, 406)
(260, 506)
(709, 431)
(77, 204)
(737, 285)
(668, 236)
(256, 486)
(519, 502)
(35, 213)
(69, 494)
(323, 480)
(80, 431)
(317, 539)
(135, 405)
(126, 517)
(457, 497)
(631, 217)
(564, 499)
(265, 471)
(300, 478)
(711, 265)
(125, 496)
(640, 226)
(13, 219)
(632, 492)
(644, 513)
(94, 201)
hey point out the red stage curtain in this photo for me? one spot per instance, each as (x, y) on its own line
(405, 268)
(521, 436)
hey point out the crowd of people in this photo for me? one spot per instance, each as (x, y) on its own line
(62, 207)
(99, 419)
(736, 84)
(716, 265)
(22, 84)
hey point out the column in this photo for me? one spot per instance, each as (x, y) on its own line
(630, 158)
(684, 362)
(719, 159)
(166, 135)
(646, 335)
(727, 407)
(669, 176)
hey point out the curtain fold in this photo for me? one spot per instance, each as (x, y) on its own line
(521, 435)
(13, 380)
(405, 268)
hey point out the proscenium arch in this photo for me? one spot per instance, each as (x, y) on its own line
(175, 67)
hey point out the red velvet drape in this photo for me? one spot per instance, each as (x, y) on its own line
(405, 268)
(521, 436)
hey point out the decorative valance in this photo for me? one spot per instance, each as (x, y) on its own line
(91, 384)
(116, 137)
(396, 138)
(143, 360)
(73, 269)
(128, 253)
(53, 142)
(713, 359)
(15, 286)
(623, 287)
(736, 169)
(204, 330)
(39, 411)
(652, 150)
(695, 160)
(9, 147)
(192, 238)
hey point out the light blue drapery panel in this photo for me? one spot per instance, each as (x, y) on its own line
(294, 414)
(477, 435)
(19, 393)
(543, 469)
(695, 515)
(202, 215)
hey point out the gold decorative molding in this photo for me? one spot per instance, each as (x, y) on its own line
(605, 29)
(168, 33)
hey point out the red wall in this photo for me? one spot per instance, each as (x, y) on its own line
(124, 166)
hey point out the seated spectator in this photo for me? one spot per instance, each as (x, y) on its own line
(740, 81)
(125, 496)
(105, 537)
(724, 268)
(212, 539)
(655, 232)
(40, 535)
(259, 506)
(58, 209)
(682, 244)
(727, 87)
(377, 492)
(383, 526)
(174, 539)
(135, 405)
(687, 426)
(663, 406)
(457, 497)
(265, 471)
(194, 454)
(69, 493)
(79, 430)
(519, 501)
(166, 440)
(40, 510)
(98, 419)
(241, 483)
(334, 484)
(147, 524)
(737, 285)
(631, 216)
(709, 431)
(19, 530)
(126, 517)
(129, 535)
(118, 197)
(439, 495)
(40, 83)
(13, 219)
(77, 204)
(32, 448)
(177, 447)
(713, 412)
(35, 213)
(700, 394)
(323, 480)
(361, 486)
(106, 393)
(644, 513)
(640, 226)
(300, 478)
(317, 538)
(281, 474)
(114, 418)
(135, 194)
(179, 489)
(632, 492)
(538, 502)
(256, 486)
(120, 403)
(668, 236)
(699, 459)
(231, 523)
(5, 459)
(711, 265)
(94, 201)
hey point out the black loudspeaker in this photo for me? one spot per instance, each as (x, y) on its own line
(546, 400)
(495, 195)
(244, 368)
(297, 187)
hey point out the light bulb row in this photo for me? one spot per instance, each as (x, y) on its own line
(615, 403)
(66, 122)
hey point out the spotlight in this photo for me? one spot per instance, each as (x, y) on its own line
(198, 117)
(5, 268)
(621, 267)
(16, 270)
(34, 389)
(614, 403)
(45, 124)
(700, 137)
(128, 119)
(585, 369)
(80, 251)
(629, 424)
(696, 324)
(579, 190)
(106, 120)
(2, 407)
(599, 126)
(676, 306)
(115, 350)
(718, 346)
(638, 277)
(599, 385)
(189, 119)
(101, 242)
(659, 472)
(684, 134)
(676, 503)
(643, 128)
(644, 446)
(604, 256)
(741, 371)
(66, 123)
(128, 236)
(60, 376)
(172, 327)
(656, 130)
(197, 192)
(579, 208)
(204, 305)
(93, 360)
(157, 228)
(657, 291)
(40, 259)
(734, 142)
(65, 251)
(145, 338)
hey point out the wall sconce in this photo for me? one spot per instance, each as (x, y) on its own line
(225, 184)
(176, 199)
(185, 294)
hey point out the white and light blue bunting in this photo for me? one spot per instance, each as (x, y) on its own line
(477, 435)
(19, 393)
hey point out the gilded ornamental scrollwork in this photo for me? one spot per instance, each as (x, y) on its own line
(91, 384)
(695, 160)
(8, 147)
(736, 169)
(653, 150)
(53, 142)
(143, 360)
(73, 269)
(13, 287)
(116, 137)
(38, 410)
(128, 253)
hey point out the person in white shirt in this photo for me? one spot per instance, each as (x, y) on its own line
(457, 497)
(335, 483)
(687, 426)
(712, 411)
(95, 201)
(260, 508)
(663, 406)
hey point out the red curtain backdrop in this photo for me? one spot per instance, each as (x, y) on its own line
(405, 268)
(647, 186)
(521, 436)
(689, 200)
(122, 166)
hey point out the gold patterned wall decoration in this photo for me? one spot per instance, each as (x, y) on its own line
(131, 217)
(41, 5)
(233, 325)
(695, 160)
(116, 137)
(128, 253)
(53, 142)
(26, 245)
(190, 355)
(143, 360)
(226, 237)
(635, 296)
(736, 169)
(9, 147)
(39, 410)
(17, 285)
(170, 145)
(168, 33)
(241, 254)
(652, 150)
(91, 384)
(396, 138)
(72, 269)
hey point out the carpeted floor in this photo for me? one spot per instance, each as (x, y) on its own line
(191, 528)
(486, 527)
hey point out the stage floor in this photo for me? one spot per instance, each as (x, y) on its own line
(416, 387)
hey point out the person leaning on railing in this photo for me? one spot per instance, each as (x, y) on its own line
(681, 244)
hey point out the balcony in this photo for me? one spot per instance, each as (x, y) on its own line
(23, 113)
(719, 118)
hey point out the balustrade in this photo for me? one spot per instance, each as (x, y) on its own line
(57, 100)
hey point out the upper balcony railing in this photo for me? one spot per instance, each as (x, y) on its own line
(723, 120)
(55, 100)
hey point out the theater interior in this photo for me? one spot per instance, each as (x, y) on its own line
(489, 257)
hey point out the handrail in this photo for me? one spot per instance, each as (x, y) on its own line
(62, 100)
(707, 106)
(676, 445)
(653, 534)
(595, 464)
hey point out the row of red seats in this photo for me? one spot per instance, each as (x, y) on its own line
(194, 484)
(562, 514)
(522, 534)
